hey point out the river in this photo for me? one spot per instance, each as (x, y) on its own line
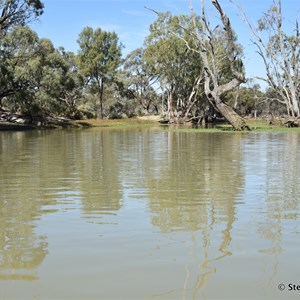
(149, 213)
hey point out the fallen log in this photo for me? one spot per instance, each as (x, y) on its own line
(293, 123)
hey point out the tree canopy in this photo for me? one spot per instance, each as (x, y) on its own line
(185, 70)
(18, 12)
(99, 57)
(177, 69)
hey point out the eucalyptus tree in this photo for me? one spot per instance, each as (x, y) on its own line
(99, 58)
(18, 12)
(17, 47)
(55, 79)
(177, 69)
(280, 54)
(57, 82)
(247, 100)
(35, 77)
(140, 82)
(69, 92)
(14, 14)
(213, 57)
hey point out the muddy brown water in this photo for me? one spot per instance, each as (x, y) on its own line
(148, 213)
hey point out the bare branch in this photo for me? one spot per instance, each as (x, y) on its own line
(151, 9)
(280, 56)
(230, 42)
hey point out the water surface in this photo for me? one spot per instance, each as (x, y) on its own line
(148, 214)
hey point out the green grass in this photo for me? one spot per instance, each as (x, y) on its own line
(261, 125)
(256, 125)
(113, 123)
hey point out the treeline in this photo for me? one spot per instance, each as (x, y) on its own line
(168, 75)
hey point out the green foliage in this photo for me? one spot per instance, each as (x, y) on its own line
(16, 47)
(247, 101)
(18, 12)
(166, 53)
(36, 77)
(138, 82)
(98, 59)
(217, 55)
(71, 83)
(175, 66)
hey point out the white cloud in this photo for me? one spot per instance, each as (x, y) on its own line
(136, 13)
(105, 26)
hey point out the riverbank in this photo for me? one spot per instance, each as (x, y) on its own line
(256, 125)
(20, 123)
(146, 120)
(13, 121)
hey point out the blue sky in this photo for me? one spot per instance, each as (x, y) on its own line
(63, 20)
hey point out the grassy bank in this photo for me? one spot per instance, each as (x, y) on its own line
(114, 122)
(262, 125)
(58, 124)
(256, 125)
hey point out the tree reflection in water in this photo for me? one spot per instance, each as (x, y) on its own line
(190, 191)
(22, 250)
(181, 213)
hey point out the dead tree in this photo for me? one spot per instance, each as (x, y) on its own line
(213, 86)
(281, 57)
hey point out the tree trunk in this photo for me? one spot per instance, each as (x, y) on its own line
(229, 114)
(280, 55)
(294, 103)
(192, 99)
(213, 88)
(171, 115)
(101, 87)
